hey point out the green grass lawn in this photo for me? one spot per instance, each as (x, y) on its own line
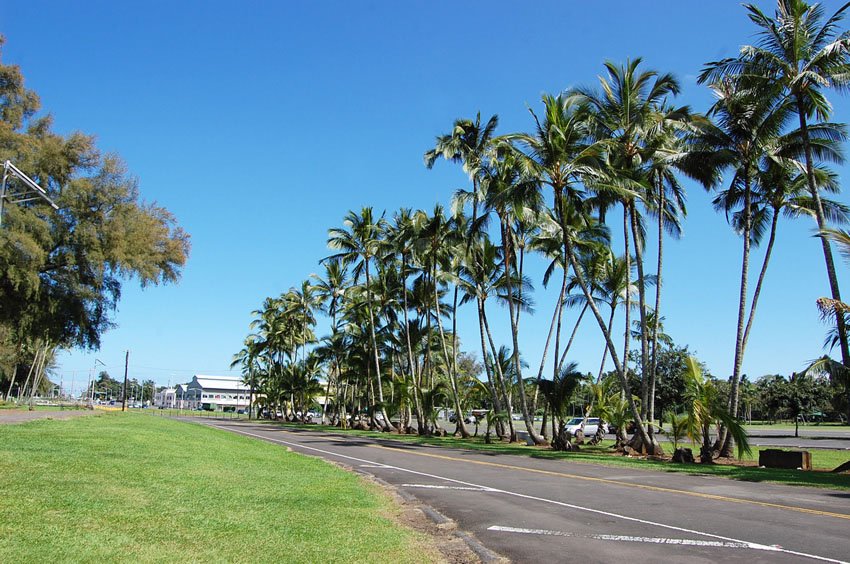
(601, 454)
(125, 487)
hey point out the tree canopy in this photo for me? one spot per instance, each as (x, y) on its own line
(61, 271)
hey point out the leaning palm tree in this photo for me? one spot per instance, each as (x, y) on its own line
(805, 54)
(358, 243)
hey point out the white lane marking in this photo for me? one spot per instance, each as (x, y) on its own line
(627, 538)
(535, 498)
(373, 466)
(437, 487)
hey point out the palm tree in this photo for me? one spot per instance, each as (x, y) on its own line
(401, 240)
(805, 57)
(625, 116)
(749, 124)
(436, 235)
(559, 155)
(249, 358)
(468, 143)
(480, 276)
(511, 195)
(559, 394)
(707, 408)
(329, 292)
(358, 243)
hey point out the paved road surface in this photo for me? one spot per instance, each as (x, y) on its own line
(546, 510)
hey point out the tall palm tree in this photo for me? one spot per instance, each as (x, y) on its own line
(250, 359)
(479, 277)
(358, 243)
(749, 123)
(511, 195)
(625, 116)
(330, 291)
(561, 156)
(805, 55)
(401, 240)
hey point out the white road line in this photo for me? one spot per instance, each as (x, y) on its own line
(627, 538)
(540, 499)
(437, 487)
(372, 466)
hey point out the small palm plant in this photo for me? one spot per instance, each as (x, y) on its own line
(678, 428)
(707, 408)
(558, 393)
(493, 419)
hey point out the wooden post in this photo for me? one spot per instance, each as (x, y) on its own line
(124, 390)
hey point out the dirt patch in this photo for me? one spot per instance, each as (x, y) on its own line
(15, 416)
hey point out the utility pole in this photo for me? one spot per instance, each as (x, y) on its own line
(124, 390)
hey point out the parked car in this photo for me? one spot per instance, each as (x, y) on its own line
(590, 428)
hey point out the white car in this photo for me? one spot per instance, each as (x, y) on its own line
(574, 424)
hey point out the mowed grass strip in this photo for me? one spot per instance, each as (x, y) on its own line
(124, 487)
(602, 454)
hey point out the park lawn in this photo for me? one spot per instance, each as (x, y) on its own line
(822, 459)
(126, 487)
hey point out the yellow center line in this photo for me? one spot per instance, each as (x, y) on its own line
(622, 483)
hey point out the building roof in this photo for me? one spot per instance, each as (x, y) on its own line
(233, 383)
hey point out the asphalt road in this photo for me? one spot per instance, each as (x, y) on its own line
(547, 510)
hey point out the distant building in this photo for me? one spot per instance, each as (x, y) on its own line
(166, 398)
(215, 393)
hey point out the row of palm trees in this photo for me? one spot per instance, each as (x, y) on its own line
(393, 285)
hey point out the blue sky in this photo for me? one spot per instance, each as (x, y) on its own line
(260, 124)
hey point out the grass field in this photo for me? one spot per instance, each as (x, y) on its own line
(822, 459)
(126, 487)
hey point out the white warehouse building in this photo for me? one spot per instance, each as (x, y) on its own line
(214, 393)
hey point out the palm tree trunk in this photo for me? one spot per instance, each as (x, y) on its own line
(488, 370)
(653, 366)
(644, 341)
(387, 426)
(605, 349)
(572, 337)
(827, 249)
(757, 293)
(556, 316)
(461, 427)
(500, 377)
(725, 444)
(624, 382)
(523, 403)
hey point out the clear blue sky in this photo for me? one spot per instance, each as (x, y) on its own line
(259, 124)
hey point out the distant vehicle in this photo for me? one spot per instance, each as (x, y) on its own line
(590, 428)
(516, 417)
(468, 419)
(241, 412)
